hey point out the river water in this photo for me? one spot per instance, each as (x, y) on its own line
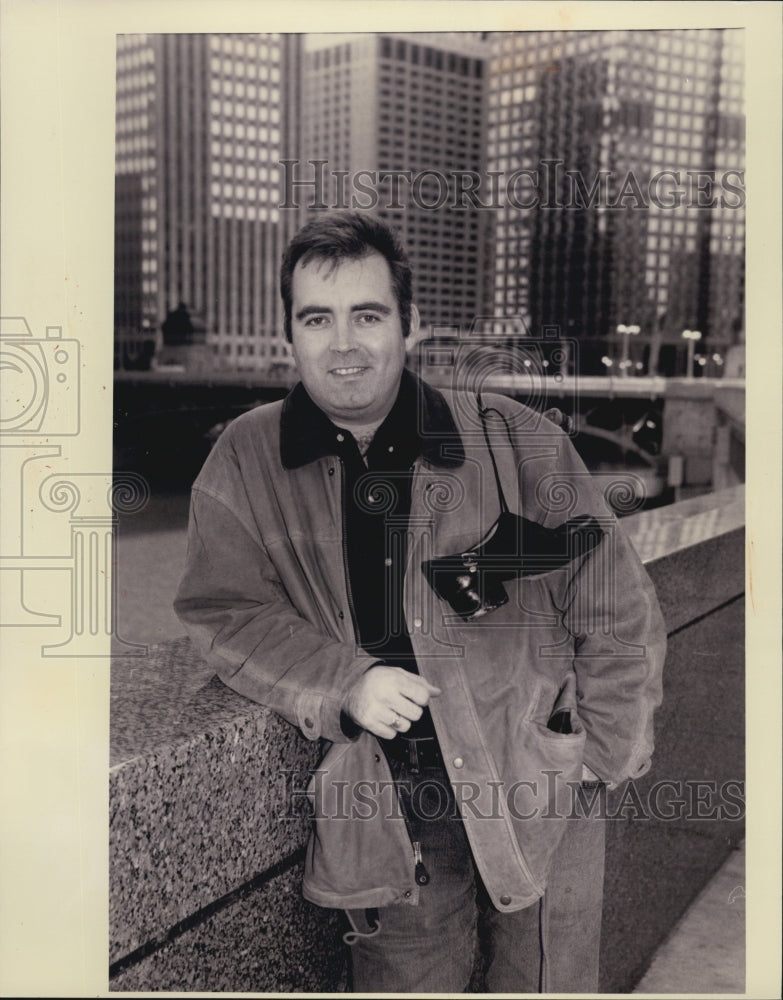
(149, 559)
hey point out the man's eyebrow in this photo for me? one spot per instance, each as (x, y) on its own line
(372, 307)
(310, 310)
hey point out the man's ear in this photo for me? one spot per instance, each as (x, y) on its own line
(413, 335)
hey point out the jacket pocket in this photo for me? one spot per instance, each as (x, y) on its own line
(359, 853)
(542, 800)
(563, 718)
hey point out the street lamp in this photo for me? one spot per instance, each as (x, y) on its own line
(626, 331)
(691, 336)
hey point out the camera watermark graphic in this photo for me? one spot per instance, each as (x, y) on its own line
(498, 354)
(547, 185)
(57, 527)
(39, 381)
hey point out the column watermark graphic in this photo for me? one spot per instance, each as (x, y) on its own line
(57, 526)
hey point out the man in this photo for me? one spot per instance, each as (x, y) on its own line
(462, 697)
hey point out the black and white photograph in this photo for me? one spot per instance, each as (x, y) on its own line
(374, 500)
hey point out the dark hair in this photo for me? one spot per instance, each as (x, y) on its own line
(339, 236)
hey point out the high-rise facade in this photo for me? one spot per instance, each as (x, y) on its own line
(202, 123)
(390, 120)
(627, 208)
(610, 165)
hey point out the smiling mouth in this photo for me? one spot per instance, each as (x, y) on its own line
(356, 370)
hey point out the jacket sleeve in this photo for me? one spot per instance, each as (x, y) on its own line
(610, 610)
(237, 612)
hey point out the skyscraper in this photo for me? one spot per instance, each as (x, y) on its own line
(630, 205)
(390, 119)
(202, 123)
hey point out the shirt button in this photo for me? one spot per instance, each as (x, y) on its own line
(505, 900)
(331, 471)
(417, 623)
(390, 448)
(309, 723)
(387, 562)
(458, 762)
(341, 437)
(407, 894)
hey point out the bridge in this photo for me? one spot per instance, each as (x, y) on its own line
(680, 435)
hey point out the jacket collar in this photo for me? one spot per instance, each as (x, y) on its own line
(306, 433)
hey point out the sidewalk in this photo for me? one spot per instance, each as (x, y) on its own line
(705, 951)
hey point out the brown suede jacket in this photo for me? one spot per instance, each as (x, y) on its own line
(265, 596)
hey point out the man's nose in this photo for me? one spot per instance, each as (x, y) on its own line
(343, 337)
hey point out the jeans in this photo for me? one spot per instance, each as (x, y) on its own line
(455, 935)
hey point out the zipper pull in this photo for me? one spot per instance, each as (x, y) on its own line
(420, 873)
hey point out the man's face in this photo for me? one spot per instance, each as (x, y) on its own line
(347, 337)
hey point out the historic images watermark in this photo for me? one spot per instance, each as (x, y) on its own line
(548, 185)
(667, 800)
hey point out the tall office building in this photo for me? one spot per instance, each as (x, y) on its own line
(202, 122)
(391, 119)
(629, 210)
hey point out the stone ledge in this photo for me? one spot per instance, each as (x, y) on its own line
(206, 957)
(199, 792)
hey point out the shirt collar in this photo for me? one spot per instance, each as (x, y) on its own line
(306, 433)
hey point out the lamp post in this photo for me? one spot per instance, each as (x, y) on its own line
(691, 336)
(626, 331)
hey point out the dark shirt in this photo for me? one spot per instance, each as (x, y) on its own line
(376, 506)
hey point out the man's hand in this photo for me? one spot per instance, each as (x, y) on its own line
(386, 700)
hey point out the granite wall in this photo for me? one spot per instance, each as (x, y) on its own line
(207, 834)
(208, 825)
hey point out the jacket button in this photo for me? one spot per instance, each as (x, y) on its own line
(458, 762)
(340, 615)
(377, 758)
(309, 723)
(505, 900)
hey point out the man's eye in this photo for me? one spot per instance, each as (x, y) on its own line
(315, 321)
(369, 319)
